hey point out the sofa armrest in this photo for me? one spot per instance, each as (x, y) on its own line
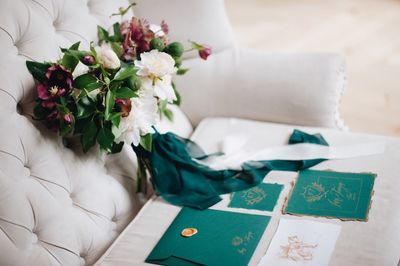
(302, 89)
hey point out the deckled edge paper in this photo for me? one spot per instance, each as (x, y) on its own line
(293, 184)
(301, 242)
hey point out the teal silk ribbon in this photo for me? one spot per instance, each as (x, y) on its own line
(182, 181)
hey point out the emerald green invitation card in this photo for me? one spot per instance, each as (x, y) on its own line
(209, 237)
(262, 197)
(345, 196)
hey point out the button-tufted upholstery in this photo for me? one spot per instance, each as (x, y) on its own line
(59, 206)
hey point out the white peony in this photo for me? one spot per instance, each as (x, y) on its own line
(156, 69)
(155, 64)
(157, 30)
(162, 88)
(107, 56)
(141, 119)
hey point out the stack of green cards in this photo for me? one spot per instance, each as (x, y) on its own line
(331, 194)
(209, 237)
(262, 197)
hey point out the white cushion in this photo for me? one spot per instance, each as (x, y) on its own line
(375, 242)
(57, 206)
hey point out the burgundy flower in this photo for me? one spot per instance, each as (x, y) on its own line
(58, 83)
(124, 105)
(53, 120)
(48, 104)
(205, 51)
(137, 36)
(164, 27)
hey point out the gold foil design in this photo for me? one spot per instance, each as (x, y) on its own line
(254, 195)
(297, 250)
(336, 195)
(241, 242)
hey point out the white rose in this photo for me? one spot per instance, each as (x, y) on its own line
(107, 57)
(80, 69)
(155, 64)
(140, 121)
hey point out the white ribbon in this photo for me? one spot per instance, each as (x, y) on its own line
(302, 151)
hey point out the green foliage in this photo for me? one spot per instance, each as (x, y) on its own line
(105, 138)
(40, 112)
(125, 92)
(110, 101)
(157, 43)
(125, 72)
(38, 70)
(165, 111)
(182, 71)
(146, 142)
(178, 95)
(175, 49)
(71, 58)
(87, 82)
(88, 137)
(102, 34)
(117, 147)
(85, 110)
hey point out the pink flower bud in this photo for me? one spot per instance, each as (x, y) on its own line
(88, 60)
(205, 52)
(68, 118)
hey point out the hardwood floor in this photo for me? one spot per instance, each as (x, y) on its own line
(365, 32)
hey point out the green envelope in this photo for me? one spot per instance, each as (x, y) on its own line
(223, 238)
(345, 196)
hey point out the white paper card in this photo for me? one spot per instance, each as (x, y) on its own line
(301, 242)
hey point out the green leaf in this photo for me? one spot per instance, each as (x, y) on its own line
(182, 71)
(75, 46)
(40, 112)
(87, 82)
(102, 34)
(65, 129)
(69, 61)
(84, 111)
(168, 114)
(117, 147)
(178, 61)
(125, 92)
(88, 137)
(115, 119)
(38, 70)
(146, 142)
(133, 83)
(117, 32)
(178, 100)
(105, 138)
(110, 101)
(117, 48)
(124, 73)
(80, 124)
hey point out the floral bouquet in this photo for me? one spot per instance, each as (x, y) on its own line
(115, 93)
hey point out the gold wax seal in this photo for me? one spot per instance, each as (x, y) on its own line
(188, 232)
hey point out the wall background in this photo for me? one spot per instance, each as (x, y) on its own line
(365, 32)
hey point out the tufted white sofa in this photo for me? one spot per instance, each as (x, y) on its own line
(61, 207)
